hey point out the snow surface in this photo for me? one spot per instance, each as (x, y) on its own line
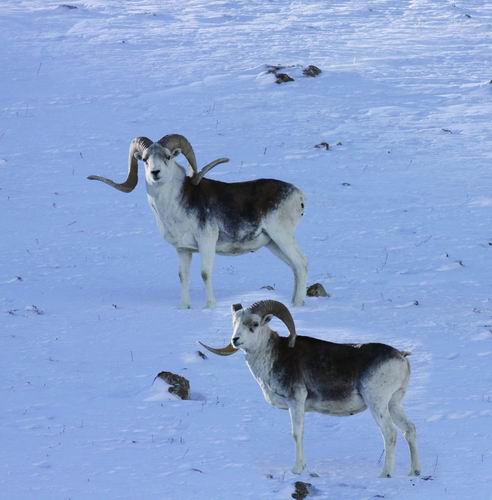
(397, 227)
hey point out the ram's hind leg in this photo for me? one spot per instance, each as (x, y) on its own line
(285, 247)
(377, 390)
(273, 247)
(381, 414)
(407, 427)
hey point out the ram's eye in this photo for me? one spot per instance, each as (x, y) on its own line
(167, 157)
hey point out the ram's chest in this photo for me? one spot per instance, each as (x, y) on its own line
(274, 392)
(174, 226)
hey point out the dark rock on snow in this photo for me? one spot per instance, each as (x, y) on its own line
(317, 290)
(179, 385)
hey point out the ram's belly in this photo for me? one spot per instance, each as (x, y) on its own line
(248, 243)
(350, 405)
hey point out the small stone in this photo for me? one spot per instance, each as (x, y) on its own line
(311, 71)
(179, 385)
(323, 145)
(317, 290)
(283, 78)
(302, 490)
(202, 355)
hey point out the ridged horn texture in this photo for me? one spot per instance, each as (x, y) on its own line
(277, 309)
(209, 166)
(139, 144)
(173, 141)
(222, 351)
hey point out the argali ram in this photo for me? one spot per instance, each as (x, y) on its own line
(302, 374)
(195, 214)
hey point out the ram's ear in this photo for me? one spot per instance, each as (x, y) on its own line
(235, 308)
(266, 319)
(137, 155)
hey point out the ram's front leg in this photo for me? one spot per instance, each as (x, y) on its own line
(206, 247)
(296, 410)
(184, 272)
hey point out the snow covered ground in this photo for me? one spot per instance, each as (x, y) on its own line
(397, 227)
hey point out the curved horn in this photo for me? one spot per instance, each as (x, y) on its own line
(139, 144)
(209, 166)
(276, 308)
(223, 351)
(173, 141)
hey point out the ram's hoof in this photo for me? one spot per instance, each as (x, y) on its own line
(297, 469)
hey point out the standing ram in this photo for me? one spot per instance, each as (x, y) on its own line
(302, 374)
(195, 214)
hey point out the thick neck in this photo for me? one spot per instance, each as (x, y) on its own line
(257, 358)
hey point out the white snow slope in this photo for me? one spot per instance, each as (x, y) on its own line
(397, 227)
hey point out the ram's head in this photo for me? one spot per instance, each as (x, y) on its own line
(157, 156)
(247, 326)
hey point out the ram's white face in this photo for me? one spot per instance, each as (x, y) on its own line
(247, 330)
(158, 163)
